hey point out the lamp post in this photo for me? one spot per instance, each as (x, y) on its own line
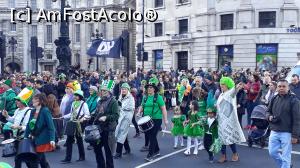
(63, 51)
(13, 42)
(143, 38)
(98, 36)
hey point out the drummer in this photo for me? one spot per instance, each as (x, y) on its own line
(153, 105)
(19, 120)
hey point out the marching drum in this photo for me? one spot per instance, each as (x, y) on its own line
(9, 148)
(26, 149)
(145, 124)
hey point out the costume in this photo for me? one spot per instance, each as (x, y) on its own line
(178, 128)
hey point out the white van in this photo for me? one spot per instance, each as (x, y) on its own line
(294, 70)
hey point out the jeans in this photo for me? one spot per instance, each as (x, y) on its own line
(281, 140)
(108, 162)
(152, 134)
(232, 146)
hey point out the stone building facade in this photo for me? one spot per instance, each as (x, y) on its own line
(209, 33)
(80, 33)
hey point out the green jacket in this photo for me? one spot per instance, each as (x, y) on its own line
(44, 130)
(92, 102)
(212, 129)
(111, 111)
(8, 101)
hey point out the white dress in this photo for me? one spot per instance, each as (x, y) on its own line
(229, 130)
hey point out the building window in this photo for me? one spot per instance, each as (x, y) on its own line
(48, 68)
(225, 55)
(48, 4)
(158, 59)
(12, 3)
(49, 34)
(182, 1)
(103, 30)
(33, 4)
(49, 56)
(182, 60)
(227, 22)
(77, 33)
(102, 2)
(91, 31)
(13, 27)
(158, 3)
(267, 19)
(34, 30)
(77, 58)
(183, 26)
(76, 3)
(90, 3)
(158, 28)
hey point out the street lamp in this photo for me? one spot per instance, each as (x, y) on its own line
(63, 51)
(98, 36)
(13, 42)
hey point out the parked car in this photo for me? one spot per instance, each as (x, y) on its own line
(294, 70)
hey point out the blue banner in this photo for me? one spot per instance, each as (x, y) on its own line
(266, 48)
(106, 48)
(225, 51)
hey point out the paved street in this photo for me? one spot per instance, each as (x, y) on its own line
(249, 157)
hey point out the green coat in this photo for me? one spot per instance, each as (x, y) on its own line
(8, 101)
(212, 129)
(44, 130)
(111, 111)
(92, 102)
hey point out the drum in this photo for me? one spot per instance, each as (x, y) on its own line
(9, 148)
(145, 124)
(26, 149)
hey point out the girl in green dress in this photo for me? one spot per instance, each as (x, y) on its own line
(178, 129)
(193, 128)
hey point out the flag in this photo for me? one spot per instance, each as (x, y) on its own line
(106, 48)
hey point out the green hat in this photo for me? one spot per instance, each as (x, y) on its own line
(228, 82)
(79, 93)
(210, 103)
(5, 165)
(25, 95)
(153, 82)
(108, 85)
(125, 85)
(144, 82)
(8, 82)
(62, 76)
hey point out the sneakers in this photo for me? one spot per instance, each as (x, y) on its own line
(150, 158)
(117, 156)
(195, 151)
(182, 145)
(144, 149)
(187, 152)
(211, 159)
(201, 147)
(222, 159)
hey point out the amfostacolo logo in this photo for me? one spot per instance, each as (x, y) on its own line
(293, 29)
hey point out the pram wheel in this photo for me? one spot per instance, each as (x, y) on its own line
(250, 143)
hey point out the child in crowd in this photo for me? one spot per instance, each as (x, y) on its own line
(210, 127)
(178, 129)
(193, 128)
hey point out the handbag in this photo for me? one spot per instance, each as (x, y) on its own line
(173, 101)
(92, 133)
(73, 126)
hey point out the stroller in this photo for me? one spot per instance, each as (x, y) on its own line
(261, 131)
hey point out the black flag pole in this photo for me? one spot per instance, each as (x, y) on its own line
(125, 49)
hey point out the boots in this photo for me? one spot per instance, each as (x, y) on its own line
(222, 159)
(235, 157)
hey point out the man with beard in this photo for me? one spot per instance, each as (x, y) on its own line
(107, 115)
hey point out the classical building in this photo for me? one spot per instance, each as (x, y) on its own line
(208, 33)
(81, 33)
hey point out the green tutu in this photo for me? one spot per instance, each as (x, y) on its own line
(178, 128)
(195, 131)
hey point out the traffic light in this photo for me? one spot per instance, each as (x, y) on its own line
(2, 46)
(39, 53)
(33, 47)
(145, 56)
(139, 51)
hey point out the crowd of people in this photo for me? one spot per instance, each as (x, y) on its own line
(206, 106)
